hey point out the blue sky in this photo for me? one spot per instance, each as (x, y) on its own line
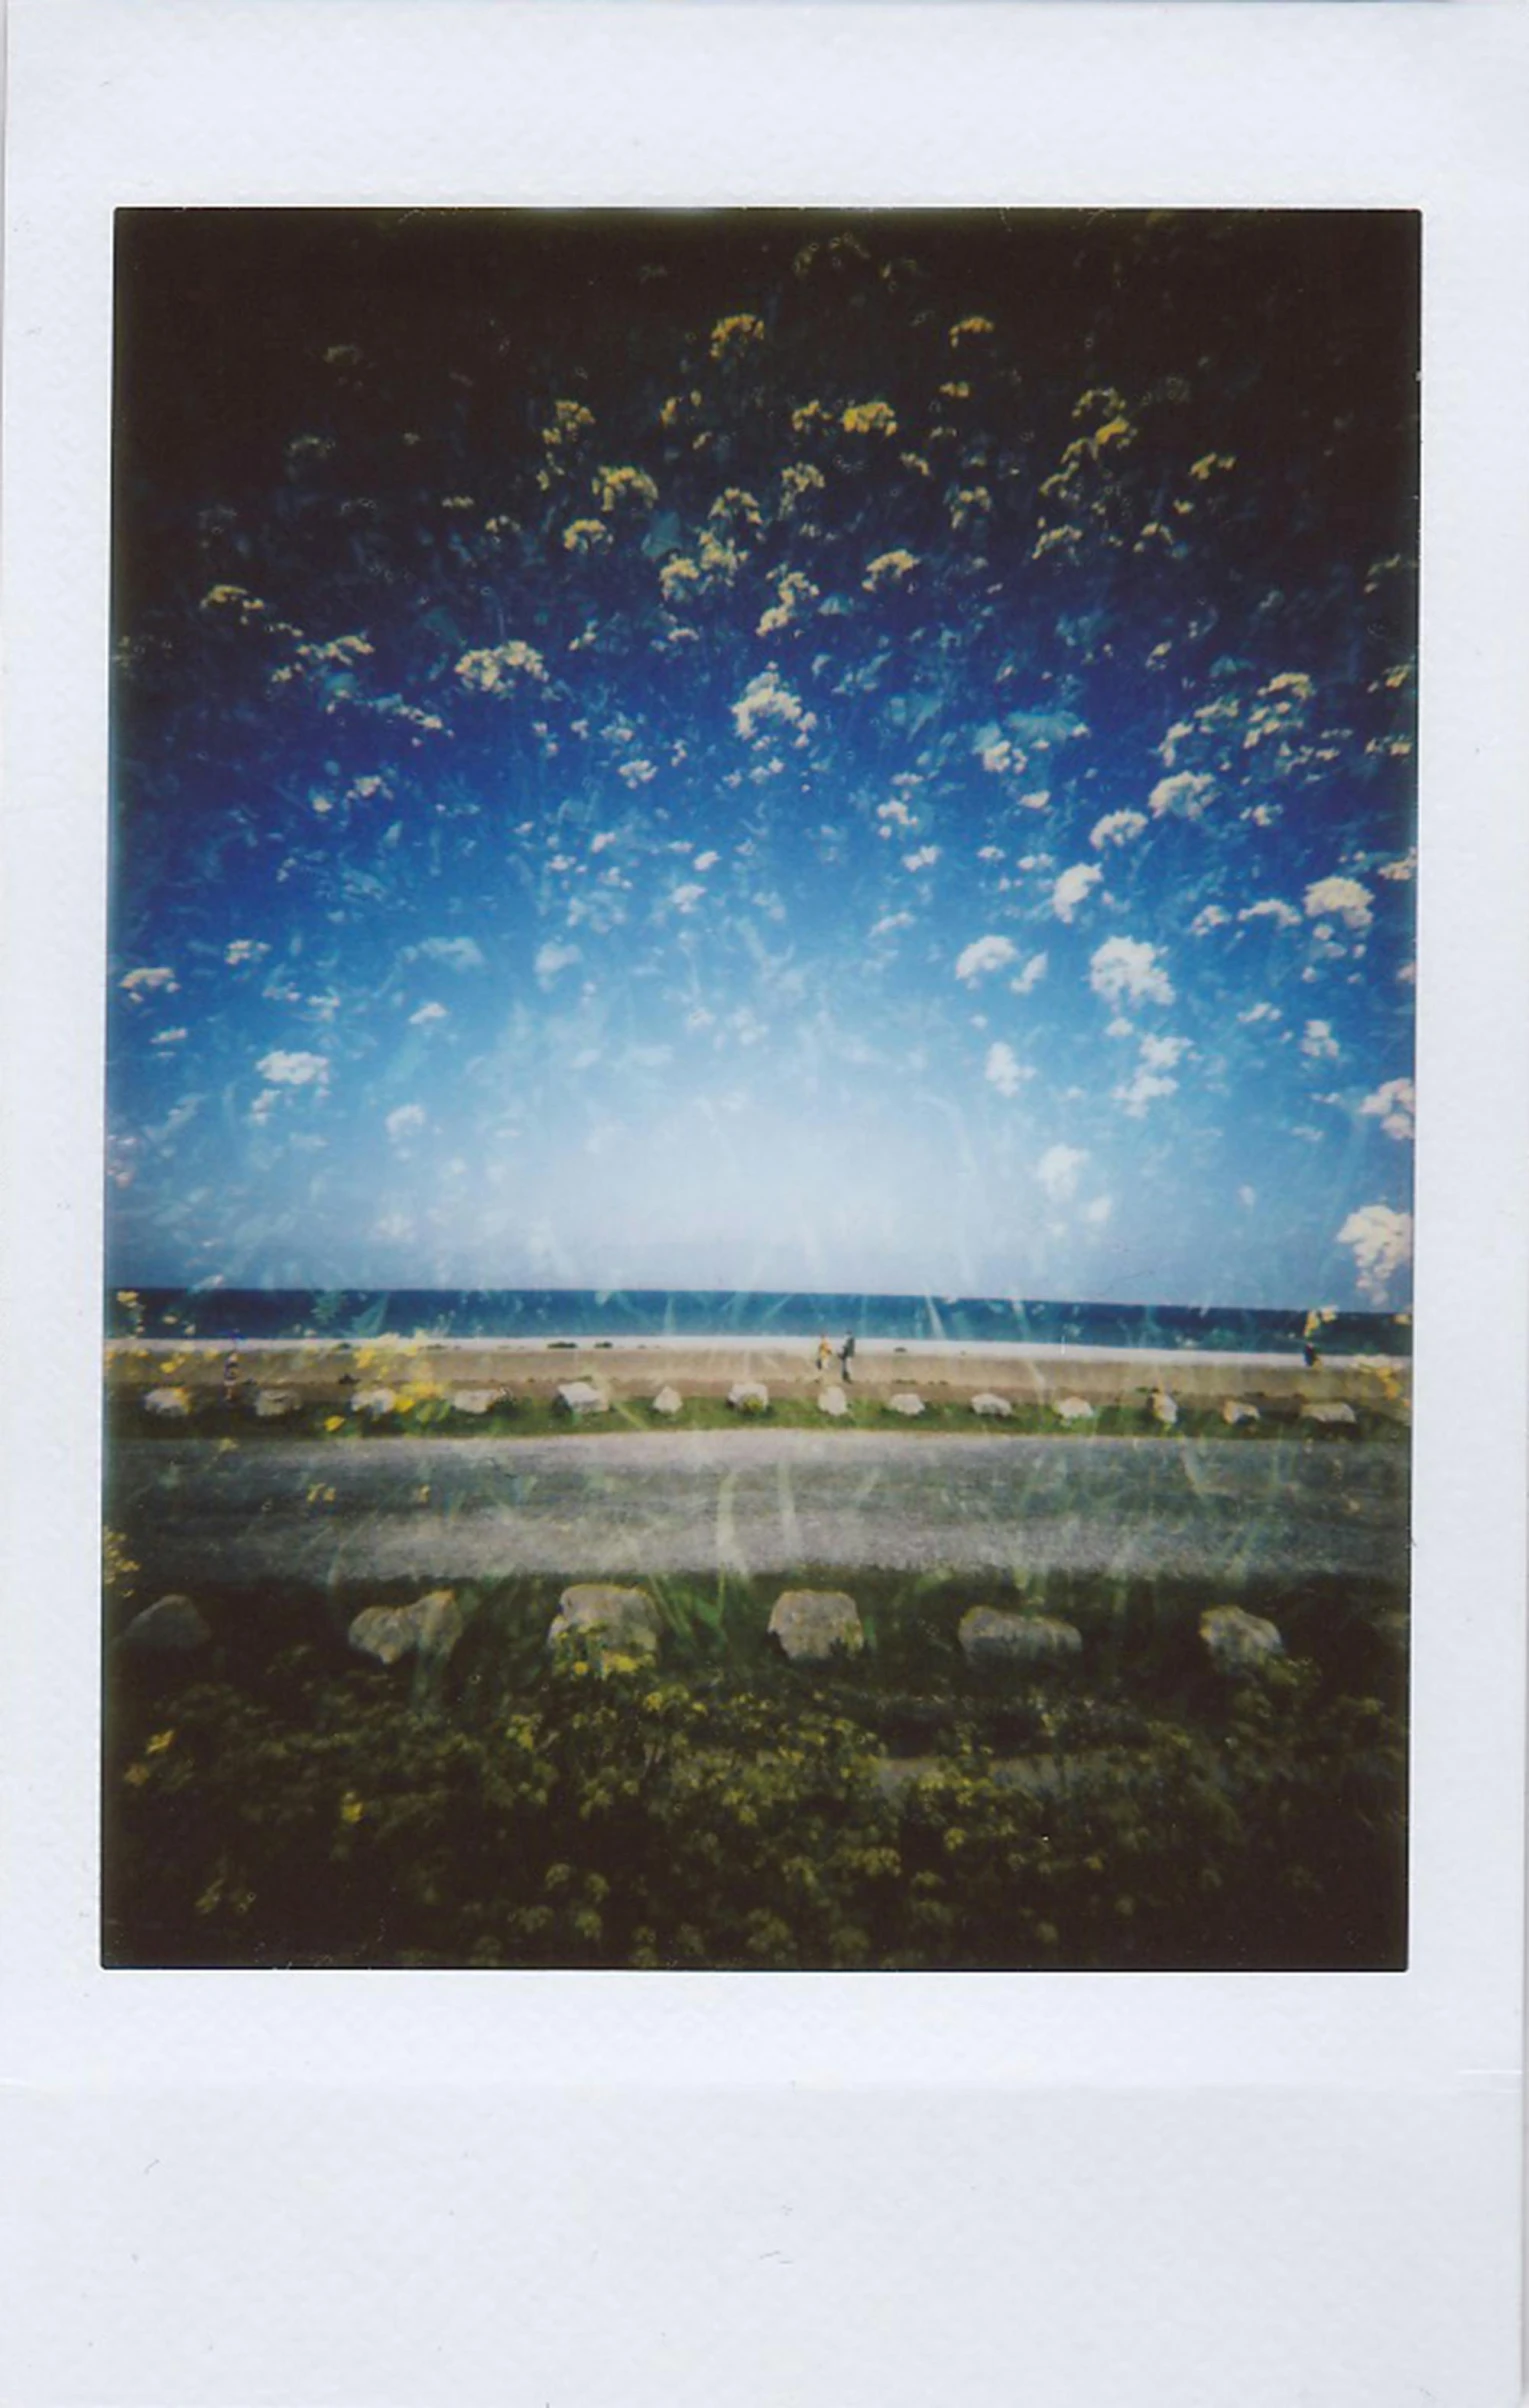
(864, 754)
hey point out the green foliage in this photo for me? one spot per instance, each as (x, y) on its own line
(714, 1819)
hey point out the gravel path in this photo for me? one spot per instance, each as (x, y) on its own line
(757, 1501)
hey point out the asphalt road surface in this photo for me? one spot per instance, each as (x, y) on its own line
(756, 1501)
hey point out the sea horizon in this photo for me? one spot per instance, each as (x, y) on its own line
(549, 1313)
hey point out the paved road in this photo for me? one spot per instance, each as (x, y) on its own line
(757, 1501)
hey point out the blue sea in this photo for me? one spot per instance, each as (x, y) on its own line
(265, 1313)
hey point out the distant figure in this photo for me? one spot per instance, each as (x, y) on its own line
(847, 1356)
(825, 1355)
(230, 1377)
(1311, 1354)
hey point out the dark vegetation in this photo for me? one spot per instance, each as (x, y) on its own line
(275, 1801)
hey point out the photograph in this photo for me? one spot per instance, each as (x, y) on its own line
(760, 1056)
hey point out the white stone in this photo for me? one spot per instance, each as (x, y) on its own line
(810, 1625)
(429, 1629)
(749, 1396)
(167, 1404)
(1239, 1642)
(583, 1396)
(170, 1626)
(992, 1408)
(373, 1402)
(1073, 1408)
(989, 1636)
(907, 1403)
(1329, 1415)
(476, 1400)
(833, 1401)
(1235, 1410)
(598, 1619)
(668, 1402)
(273, 1404)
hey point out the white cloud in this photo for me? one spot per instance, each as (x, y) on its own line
(685, 898)
(1099, 1211)
(139, 983)
(405, 1122)
(293, 1069)
(428, 1014)
(170, 1036)
(1057, 1171)
(1144, 1088)
(1029, 978)
(924, 859)
(1116, 827)
(1319, 1044)
(1392, 1105)
(552, 958)
(984, 953)
(459, 952)
(1382, 1244)
(1340, 899)
(1072, 887)
(1211, 917)
(1183, 796)
(1258, 1012)
(1003, 1071)
(1247, 1197)
(707, 861)
(1126, 969)
(1272, 909)
(244, 949)
(893, 921)
(1163, 1053)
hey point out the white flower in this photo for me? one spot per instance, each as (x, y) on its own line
(984, 953)
(1126, 969)
(1392, 1105)
(1072, 887)
(1057, 1171)
(1342, 899)
(1382, 1244)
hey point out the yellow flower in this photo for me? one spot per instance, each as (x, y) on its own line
(158, 1744)
(869, 418)
(735, 334)
(352, 1808)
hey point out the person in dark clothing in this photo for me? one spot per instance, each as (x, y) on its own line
(847, 1355)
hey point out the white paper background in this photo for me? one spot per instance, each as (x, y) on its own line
(624, 2189)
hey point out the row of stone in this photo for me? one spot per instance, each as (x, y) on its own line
(749, 1397)
(605, 1621)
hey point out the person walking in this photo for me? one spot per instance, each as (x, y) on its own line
(825, 1354)
(847, 1356)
